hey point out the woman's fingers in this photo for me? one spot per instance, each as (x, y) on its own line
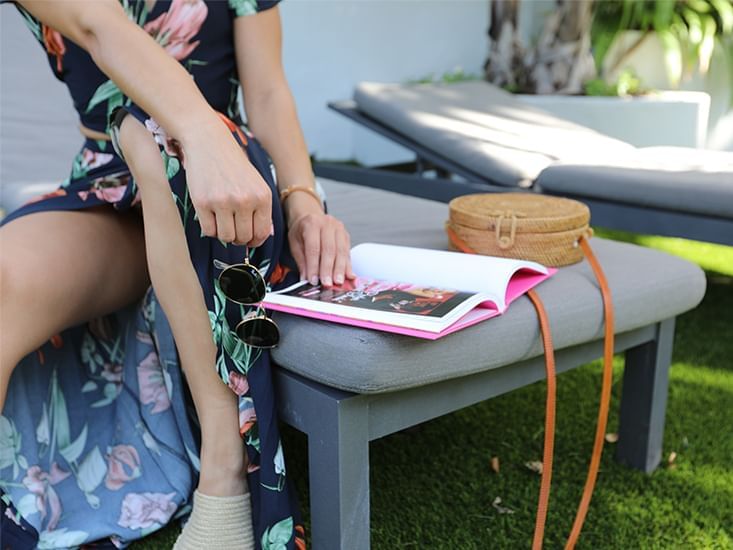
(297, 250)
(244, 220)
(207, 221)
(232, 199)
(262, 222)
(312, 251)
(243, 227)
(225, 226)
(328, 254)
(342, 263)
(321, 248)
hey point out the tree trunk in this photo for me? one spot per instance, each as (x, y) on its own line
(560, 62)
(504, 65)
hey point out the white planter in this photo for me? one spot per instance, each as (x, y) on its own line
(647, 61)
(666, 118)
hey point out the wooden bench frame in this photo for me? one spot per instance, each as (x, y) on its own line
(340, 424)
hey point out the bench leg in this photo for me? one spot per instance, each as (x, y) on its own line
(644, 401)
(338, 464)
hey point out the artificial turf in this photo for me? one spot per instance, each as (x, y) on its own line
(433, 487)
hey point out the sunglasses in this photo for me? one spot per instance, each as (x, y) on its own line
(244, 284)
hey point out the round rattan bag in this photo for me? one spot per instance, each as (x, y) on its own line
(520, 225)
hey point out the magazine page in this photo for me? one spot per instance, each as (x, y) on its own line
(443, 269)
(401, 304)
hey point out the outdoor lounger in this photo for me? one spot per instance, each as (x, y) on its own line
(345, 386)
(480, 138)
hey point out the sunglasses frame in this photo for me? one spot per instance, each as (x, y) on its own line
(248, 265)
(260, 316)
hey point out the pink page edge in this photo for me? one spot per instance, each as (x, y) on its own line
(474, 316)
(524, 280)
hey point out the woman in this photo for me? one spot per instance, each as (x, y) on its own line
(95, 438)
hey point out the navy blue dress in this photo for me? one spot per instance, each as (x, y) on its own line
(98, 437)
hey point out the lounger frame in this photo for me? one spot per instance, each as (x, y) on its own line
(426, 158)
(604, 213)
(340, 424)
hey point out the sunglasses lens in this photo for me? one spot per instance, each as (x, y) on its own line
(259, 332)
(242, 284)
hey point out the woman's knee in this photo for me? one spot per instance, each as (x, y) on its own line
(16, 284)
(58, 269)
(19, 327)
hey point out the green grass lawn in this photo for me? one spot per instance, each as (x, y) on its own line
(433, 487)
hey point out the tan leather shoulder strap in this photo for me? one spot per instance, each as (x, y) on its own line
(547, 460)
(547, 453)
(608, 345)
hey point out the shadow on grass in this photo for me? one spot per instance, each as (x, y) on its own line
(703, 335)
(688, 504)
(434, 487)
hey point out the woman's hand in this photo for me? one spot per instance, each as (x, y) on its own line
(232, 200)
(319, 242)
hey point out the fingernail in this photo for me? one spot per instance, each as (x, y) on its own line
(272, 229)
(327, 281)
(314, 280)
(339, 279)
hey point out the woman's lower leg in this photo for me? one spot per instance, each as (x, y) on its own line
(223, 458)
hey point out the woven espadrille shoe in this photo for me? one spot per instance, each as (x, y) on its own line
(218, 522)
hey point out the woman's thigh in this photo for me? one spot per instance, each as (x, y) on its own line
(61, 268)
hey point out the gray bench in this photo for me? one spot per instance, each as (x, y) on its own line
(345, 386)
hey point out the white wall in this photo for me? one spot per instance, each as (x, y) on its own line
(329, 46)
(38, 134)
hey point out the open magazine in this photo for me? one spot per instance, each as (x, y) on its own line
(414, 291)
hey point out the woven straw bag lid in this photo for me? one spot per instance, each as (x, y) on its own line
(533, 213)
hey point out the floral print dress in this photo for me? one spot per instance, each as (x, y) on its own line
(98, 438)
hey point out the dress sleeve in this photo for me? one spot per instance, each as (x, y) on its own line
(251, 7)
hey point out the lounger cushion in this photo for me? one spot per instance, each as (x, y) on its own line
(676, 179)
(483, 128)
(647, 285)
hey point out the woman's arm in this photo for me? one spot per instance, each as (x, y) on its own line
(319, 242)
(230, 197)
(171, 272)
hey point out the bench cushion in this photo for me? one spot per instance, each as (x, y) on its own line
(647, 286)
(671, 178)
(483, 128)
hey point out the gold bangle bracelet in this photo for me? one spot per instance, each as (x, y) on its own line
(285, 193)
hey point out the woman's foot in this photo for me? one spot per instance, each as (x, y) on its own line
(218, 522)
